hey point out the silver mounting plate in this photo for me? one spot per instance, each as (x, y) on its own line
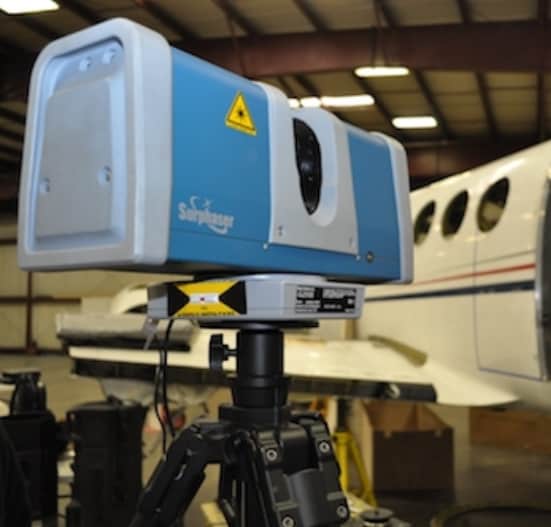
(263, 297)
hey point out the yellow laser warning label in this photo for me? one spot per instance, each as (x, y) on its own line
(210, 299)
(239, 117)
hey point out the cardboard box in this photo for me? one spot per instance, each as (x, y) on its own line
(405, 446)
(520, 429)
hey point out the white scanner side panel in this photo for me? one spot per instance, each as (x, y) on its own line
(97, 167)
(333, 226)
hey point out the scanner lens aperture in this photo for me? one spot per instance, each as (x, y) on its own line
(308, 160)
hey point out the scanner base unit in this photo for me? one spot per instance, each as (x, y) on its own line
(273, 298)
(140, 156)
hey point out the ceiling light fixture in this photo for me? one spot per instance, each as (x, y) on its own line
(294, 103)
(420, 121)
(310, 102)
(347, 101)
(381, 71)
(343, 101)
(18, 7)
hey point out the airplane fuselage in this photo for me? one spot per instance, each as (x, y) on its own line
(481, 299)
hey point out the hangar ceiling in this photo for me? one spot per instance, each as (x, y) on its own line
(480, 67)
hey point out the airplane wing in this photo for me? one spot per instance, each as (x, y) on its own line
(393, 363)
(359, 368)
(314, 366)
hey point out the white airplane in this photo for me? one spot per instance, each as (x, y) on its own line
(480, 303)
(473, 329)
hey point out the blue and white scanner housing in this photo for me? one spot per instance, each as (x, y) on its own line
(140, 156)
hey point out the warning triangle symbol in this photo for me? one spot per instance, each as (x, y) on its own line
(239, 117)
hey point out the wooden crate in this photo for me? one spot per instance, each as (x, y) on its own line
(405, 446)
(520, 429)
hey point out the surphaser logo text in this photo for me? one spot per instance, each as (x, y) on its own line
(198, 211)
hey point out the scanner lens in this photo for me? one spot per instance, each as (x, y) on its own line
(308, 159)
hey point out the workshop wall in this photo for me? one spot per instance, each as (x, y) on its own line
(52, 293)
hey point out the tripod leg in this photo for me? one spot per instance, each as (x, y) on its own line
(178, 477)
(240, 495)
(333, 502)
(291, 478)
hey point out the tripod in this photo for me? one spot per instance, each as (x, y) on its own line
(277, 469)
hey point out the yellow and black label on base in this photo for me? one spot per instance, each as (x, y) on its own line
(206, 299)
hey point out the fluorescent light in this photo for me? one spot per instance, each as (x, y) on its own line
(421, 121)
(310, 102)
(294, 103)
(17, 7)
(381, 71)
(344, 101)
(347, 101)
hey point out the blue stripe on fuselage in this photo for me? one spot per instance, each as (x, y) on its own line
(503, 287)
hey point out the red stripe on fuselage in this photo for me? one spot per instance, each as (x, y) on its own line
(500, 270)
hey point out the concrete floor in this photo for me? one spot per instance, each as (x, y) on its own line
(482, 474)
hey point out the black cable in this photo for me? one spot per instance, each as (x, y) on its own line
(161, 383)
(158, 375)
(166, 408)
(156, 389)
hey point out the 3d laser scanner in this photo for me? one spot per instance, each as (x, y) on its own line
(139, 156)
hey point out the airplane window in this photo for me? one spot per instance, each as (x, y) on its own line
(492, 205)
(455, 212)
(423, 222)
